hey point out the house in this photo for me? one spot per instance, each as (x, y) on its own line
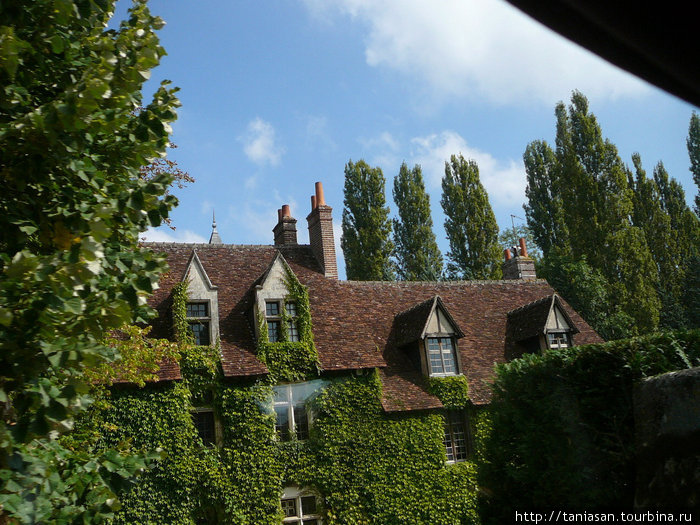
(278, 315)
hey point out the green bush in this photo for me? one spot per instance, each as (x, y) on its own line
(562, 424)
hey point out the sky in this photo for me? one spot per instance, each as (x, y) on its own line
(279, 94)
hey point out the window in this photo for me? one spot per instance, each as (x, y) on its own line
(292, 329)
(441, 356)
(203, 419)
(274, 321)
(300, 507)
(558, 339)
(290, 410)
(290, 402)
(455, 436)
(273, 317)
(199, 319)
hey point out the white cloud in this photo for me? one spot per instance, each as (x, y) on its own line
(504, 180)
(478, 48)
(165, 234)
(259, 143)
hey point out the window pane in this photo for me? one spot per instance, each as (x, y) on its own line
(272, 308)
(448, 355)
(434, 356)
(200, 330)
(282, 422)
(197, 310)
(273, 331)
(308, 505)
(292, 331)
(291, 309)
(281, 393)
(204, 423)
(289, 507)
(455, 437)
(301, 422)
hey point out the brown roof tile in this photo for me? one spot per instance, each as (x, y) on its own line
(354, 322)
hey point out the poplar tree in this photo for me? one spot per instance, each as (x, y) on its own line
(470, 224)
(417, 254)
(693, 143)
(366, 238)
(586, 190)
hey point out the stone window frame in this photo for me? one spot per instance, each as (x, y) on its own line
(294, 501)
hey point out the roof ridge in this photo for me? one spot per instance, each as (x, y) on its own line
(533, 303)
(446, 283)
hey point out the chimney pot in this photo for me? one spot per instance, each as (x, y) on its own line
(285, 211)
(279, 214)
(320, 199)
(523, 249)
(506, 252)
(313, 202)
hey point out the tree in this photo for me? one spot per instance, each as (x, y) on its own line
(72, 207)
(580, 204)
(693, 143)
(470, 223)
(417, 254)
(545, 210)
(366, 239)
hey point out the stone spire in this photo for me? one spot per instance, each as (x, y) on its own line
(214, 239)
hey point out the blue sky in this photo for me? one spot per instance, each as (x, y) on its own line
(279, 94)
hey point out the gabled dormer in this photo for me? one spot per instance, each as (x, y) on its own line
(202, 302)
(275, 312)
(428, 334)
(541, 325)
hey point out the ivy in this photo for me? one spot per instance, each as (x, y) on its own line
(181, 329)
(452, 391)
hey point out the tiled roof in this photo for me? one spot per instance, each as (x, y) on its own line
(409, 325)
(529, 320)
(354, 322)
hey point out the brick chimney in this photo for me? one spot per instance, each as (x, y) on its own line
(286, 229)
(321, 233)
(517, 264)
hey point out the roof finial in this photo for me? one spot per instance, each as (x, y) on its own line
(214, 239)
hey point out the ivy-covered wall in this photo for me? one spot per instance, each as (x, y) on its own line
(367, 466)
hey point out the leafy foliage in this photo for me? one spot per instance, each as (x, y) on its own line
(366, 239)
(693, 143)
(562, 426)
(417, 254)
(452, 391)
(470, 223)
(72, 207)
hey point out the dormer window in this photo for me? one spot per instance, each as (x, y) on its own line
(276, 323)
(199, 321)
(441, 356)
(428, 334)
(559, 339)
(541, 325)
